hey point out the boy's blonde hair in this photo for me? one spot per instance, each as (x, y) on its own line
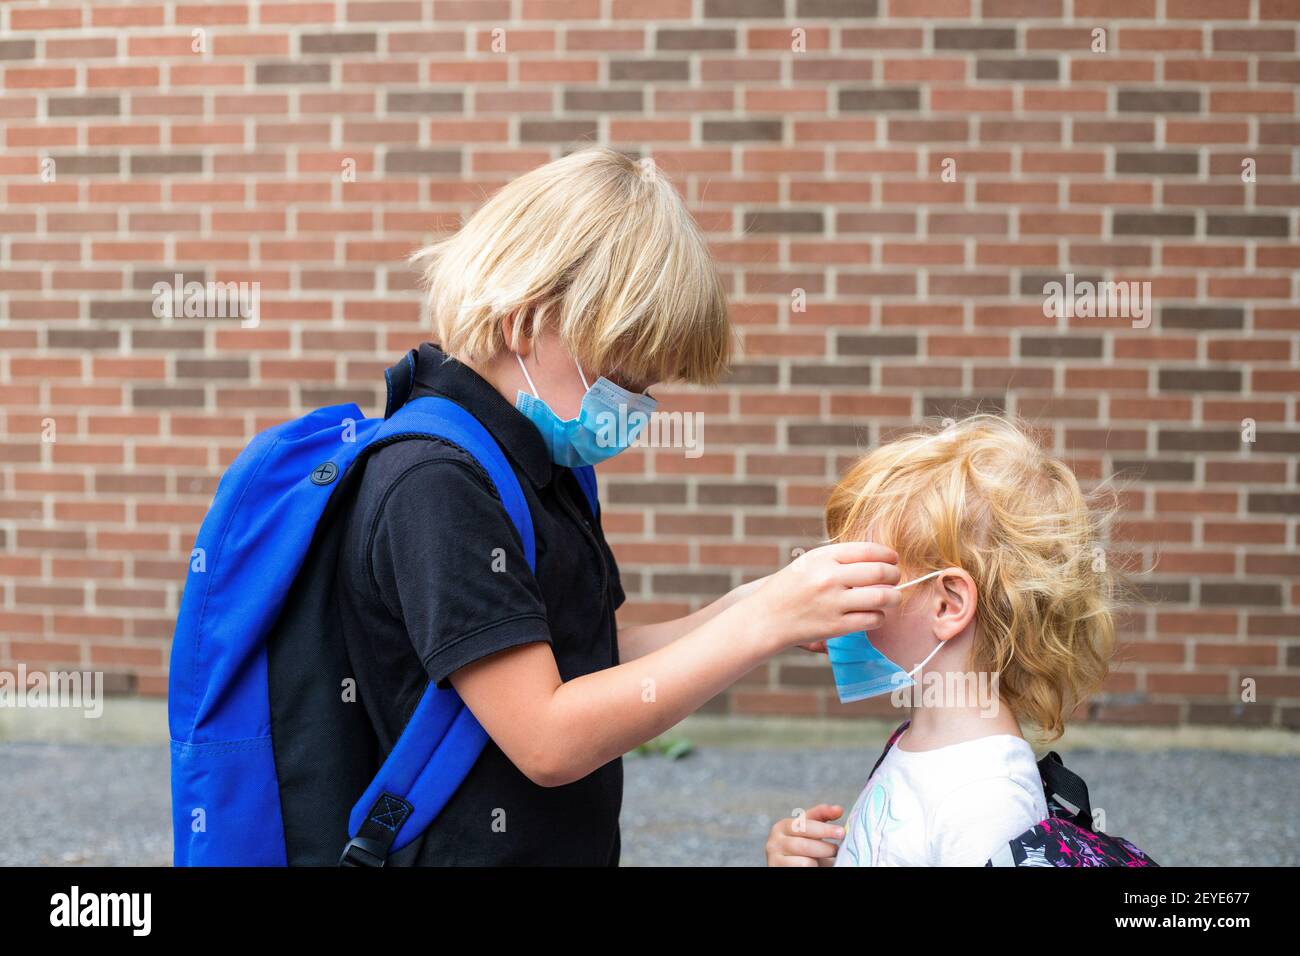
(981, 495)
(598, 247)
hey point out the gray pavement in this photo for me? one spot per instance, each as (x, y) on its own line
(83, 804)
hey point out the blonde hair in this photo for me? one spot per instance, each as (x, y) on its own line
(596, 246)
(982, 496)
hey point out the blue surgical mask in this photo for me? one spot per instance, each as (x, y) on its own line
(861, 670)
(608, 421)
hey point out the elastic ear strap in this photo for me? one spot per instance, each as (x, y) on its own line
(924, 577)
(523, 368)
(927, 660)
(581, 376)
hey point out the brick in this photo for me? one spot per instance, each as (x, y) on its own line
(876, 345)
(667, 39)
(1262, 40)
(836, 9)
(422, 161)
(74, 106)
(1158, 101)
(1202, 319)
(1240, 593)
(974, 38)
(783, 221)
(1197, 379)
(1269, 226)
(727, 131)
(602, 101)
(1018, 69)
(879, 100)
(1198, 440)
(649, 71)
(1173, 163)
(295, 73)
(24, 49)
(338, 43)
(1273, 503)
(1156, 470)
(1060, 347)
(830, 375)
(1153, 224)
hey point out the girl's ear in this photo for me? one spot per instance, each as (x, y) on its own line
(955, 608)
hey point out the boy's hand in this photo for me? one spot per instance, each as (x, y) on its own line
(801, 841)
(828, 591)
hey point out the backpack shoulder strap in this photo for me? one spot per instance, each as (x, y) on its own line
(442, 418)
(893, 739)
(442, 739)
(1068, 785)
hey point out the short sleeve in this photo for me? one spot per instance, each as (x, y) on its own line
(446, 560)
(973, 821)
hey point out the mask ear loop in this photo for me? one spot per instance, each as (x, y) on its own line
(924, 577)
(581, 376)
(529, 378)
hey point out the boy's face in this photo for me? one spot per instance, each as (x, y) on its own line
(555, 373)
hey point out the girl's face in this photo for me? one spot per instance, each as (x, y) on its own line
(936, 609)
(908, 635)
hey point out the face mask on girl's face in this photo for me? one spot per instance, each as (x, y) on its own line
(608, 421)
(861, 670)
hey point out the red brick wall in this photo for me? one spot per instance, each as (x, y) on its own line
(817, 170)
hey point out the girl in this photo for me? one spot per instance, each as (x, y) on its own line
(1009, 611)
(569, 294)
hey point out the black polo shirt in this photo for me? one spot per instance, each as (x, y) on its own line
(432, 576)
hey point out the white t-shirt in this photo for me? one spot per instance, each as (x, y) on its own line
(953, 806)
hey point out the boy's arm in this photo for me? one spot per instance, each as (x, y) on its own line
(641, 639)
(557, 732)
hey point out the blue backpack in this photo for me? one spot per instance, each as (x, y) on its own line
(271, 763)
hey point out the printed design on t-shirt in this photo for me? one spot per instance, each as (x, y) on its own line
(870, 820)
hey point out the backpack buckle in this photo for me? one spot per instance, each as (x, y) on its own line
(363, 852)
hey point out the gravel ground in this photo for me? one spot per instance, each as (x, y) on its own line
(69, 804)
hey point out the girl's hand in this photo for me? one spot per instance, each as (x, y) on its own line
(801, 841)
(828, 591)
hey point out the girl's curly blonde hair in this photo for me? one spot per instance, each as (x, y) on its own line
(981, 495)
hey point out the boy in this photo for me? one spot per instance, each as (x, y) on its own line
(570, 293)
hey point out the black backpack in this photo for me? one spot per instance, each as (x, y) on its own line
(1065, 838)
